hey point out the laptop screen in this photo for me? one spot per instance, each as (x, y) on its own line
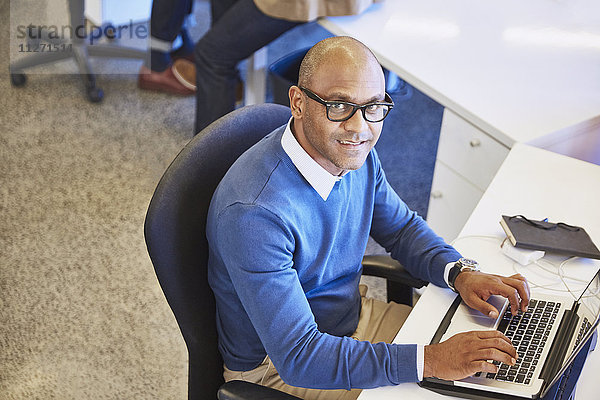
(588, 312)
(590, 300)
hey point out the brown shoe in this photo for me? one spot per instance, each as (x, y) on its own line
(164, 81)
(185, 72)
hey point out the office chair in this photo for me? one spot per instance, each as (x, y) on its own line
(78, 50)
(176, 241)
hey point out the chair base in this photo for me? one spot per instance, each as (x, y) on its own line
(77, 50)
(79, 53)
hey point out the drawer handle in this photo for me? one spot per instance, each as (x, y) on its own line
(437, 194)
(475, 143)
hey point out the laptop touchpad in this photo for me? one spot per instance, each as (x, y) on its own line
(466, 319)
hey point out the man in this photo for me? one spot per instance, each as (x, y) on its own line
(287, 229)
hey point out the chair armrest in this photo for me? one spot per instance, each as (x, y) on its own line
(386, 267)
(241, 390)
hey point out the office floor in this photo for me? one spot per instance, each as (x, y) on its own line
(81, 312)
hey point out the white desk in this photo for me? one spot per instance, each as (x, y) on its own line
(507, 71)
(538, 184)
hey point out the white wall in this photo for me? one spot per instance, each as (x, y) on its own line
(117, 12)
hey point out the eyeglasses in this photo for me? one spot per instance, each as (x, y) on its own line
(338, 111)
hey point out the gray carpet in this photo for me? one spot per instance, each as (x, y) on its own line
(81, 312)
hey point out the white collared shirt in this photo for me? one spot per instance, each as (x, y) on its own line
(317, 176)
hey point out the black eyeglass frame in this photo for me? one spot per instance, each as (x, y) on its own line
(387, 102)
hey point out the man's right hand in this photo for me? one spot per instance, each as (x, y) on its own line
(465, 354)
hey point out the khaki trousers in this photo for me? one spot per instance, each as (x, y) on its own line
(378, 322)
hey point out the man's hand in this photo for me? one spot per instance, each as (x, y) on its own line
(475, 288)
(464, 354)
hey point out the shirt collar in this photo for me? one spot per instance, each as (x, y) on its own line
(317, 176)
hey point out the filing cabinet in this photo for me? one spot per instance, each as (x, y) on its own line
(467, 160)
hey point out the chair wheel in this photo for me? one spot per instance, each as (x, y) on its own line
(18, 79)
(95, 95)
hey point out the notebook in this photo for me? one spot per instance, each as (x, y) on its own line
(555, 237)
(547, 337)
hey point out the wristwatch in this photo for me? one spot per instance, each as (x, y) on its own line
(464, 264)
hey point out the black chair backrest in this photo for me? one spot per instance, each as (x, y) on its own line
(175, 232)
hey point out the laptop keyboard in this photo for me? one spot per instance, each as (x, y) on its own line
(528, 332)
(585, 327)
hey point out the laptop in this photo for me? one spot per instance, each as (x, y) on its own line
(548, 337)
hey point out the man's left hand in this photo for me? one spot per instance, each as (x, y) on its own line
(475, 288)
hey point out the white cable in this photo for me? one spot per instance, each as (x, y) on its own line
(559, 268)
(561, 275)
(559, 271)
(548, 286)
(538, 285)
(562, 279)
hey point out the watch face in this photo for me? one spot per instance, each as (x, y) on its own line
(467, 262)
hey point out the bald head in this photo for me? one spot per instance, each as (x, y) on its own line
(337, 70)
(337, 50)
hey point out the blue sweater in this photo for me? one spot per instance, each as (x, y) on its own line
(285, 266)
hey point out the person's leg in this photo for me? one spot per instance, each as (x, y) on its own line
(186, 50)
(157, 73)
(219, 7)
(166, 23)
(238, 33)
(378, 322)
